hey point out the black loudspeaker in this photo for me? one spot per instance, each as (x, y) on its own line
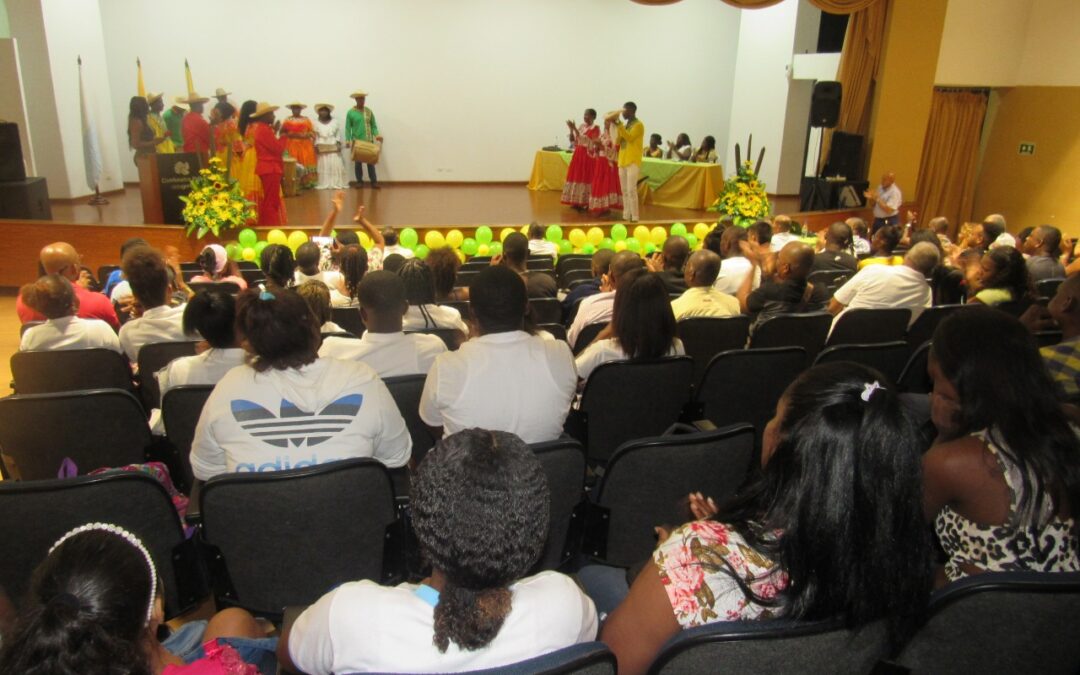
(825, 105)
(26, 199)
(11, 159)
(844, 155)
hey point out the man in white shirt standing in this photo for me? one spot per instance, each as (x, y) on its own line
(598, 308)
(384, 345)
(145, 270)
(886, 200)
(891, 286)
(505, 379)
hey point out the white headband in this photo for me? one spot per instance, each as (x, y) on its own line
(131, 539)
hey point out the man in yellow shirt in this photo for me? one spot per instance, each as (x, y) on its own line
(631, 141)
(157, 124)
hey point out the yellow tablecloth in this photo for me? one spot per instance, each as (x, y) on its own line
(689, 186)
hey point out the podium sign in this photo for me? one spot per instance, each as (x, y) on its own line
(175, 173)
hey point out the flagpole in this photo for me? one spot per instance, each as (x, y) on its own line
(97, 199)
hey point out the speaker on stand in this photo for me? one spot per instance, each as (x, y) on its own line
(824, 114)
(20, 197)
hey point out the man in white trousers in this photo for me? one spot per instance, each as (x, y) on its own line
(631, 137)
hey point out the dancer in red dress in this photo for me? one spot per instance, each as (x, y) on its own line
(606, 191)
(269, 166)
(579, 175)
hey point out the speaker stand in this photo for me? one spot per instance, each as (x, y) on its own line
(98, 200)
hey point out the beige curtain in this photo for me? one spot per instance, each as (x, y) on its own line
(950, 156)
(831, 6)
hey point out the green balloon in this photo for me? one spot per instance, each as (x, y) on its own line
(650, 248)
(588, 248)
(247, 238)
(678, 230)
(607, 243)
(554, 233)
(692, 240)
(495, 247)
(469, 246)
(422, 251)
(565, 247)
(483, 235)
(618, 232)
(409, 238)
(633, 245)
(259, 246)
(233, 250)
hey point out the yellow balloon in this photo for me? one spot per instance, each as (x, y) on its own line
(460, 255)
(454, 238)
(642, 234)
(577, 237)
(506, 232)
(276, 237)
(248, 254)
(658, 235)
(296, 238)
(595, 235)
(700, 230)
(365, 240)
(434, 239)
(483, 250)
(525, 230)
(620, 245)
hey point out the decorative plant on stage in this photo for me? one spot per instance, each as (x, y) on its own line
(743, 197)
(215, 202)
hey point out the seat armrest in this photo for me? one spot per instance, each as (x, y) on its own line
(194, 510)
(704, 425)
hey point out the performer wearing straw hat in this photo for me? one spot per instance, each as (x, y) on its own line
(269, 166)
(174, 122)
(221, 95)
(195, 128)
(360, 125)
(328, 145)
(157, 124)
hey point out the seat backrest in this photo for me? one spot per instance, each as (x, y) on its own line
(557, 330)
(152, 358)
(465, 276)
(34, 514)
(922, 329)
(1047, 288)
(888, 358)
(830, 280)
(647, 481)
(564, 465)
(540, 262)
(1010, 622)
(349, 319)
(230, 287)
(573, 261)
(545, 310)
(587, 335)
(180, 410)
(586, 658)
(870, 326)
(95, 428)
(808, 330)
(70, 370)
(288, 537)
(744, 385)
(451, 337)
(626, 400)
(406, 390)
(914, 379)
(569, 276)
(253, 277)
(462, 306)
(705, 338)
(27, 326)
(783, 647)
(1015, 307)
(104, 271)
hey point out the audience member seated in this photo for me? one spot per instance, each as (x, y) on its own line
(887, 287)
(642, 327)
(836, 256)
(1043, 246)
(393, 263)
(760, 237)
(947, 284)
(781, 233)
(981, 236)
(392, 247)
(95, 606)
(423, 313)
(538, 245)
(1003, 277)
(116, 276)
(789, 291)
(279, 267)
(1022, 236)
(480, 506)
(995, 231)
(308, 267)
(700, 298)
(444, 265)
(288, 408)
(884, 242)
(781, 550)
(670, 262)
(504, 379)
(383, 346)
(217, 268)
(860, 245)
(734, 266)
(53, 297)
(317, 296)
(62, 259)
(940, 227)
(1002, 480)
(514, 256)
(154, 320)
(1063, 359)
(597, 308)
(601, 260)
(353, 265)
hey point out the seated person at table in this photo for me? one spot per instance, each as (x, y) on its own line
(655, 151)
(384, 346)
(887, 287)
(789, 291)
(308, 259)
(444, 265)
(217, 268)
(515, 256)
(601, 260)
(836, 256)
(538, 245)
(670, 262)
(642, 327)
(1003, 277)
(279, 266)
(480, 511)
(317, 296)
(154, 320)
(734, 266)
(597, 308)
(707, 152)
(289, 408)
(504, 379)
(700, 298)
(781, 233)
(778, 550)
(62, 259)
(882, 245)
(53, 297)
(681, 150)
(423, 313)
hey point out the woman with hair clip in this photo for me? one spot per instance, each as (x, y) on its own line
(423, 313)
(832, 527)
(480, 509)
(217, 268)
(95, 606)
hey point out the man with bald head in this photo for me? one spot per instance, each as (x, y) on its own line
(61, 258)
(1043, 247)
(886, 201)
(891, 286)
(788, 291)
(598, 308)
(700, 298)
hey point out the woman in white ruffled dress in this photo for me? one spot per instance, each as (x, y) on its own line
(331, 167)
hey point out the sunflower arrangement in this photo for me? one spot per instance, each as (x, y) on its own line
(743, 197)
(215, 202)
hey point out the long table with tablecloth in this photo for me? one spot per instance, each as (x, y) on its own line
(685, 185)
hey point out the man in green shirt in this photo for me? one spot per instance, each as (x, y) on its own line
(173, 118)
(360, 126)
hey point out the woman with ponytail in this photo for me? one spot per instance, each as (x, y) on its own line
(480, 509)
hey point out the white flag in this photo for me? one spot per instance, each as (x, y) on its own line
(91, 148)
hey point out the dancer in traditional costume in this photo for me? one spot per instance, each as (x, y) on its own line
(269, 165)
(606, 190)
(579, 174)
(299, 143)
(328, 146)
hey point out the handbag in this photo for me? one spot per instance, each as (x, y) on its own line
(366, 152)
(326, 148)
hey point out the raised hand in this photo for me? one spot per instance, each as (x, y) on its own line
(702, 507)
(359, 213)
(338, 200)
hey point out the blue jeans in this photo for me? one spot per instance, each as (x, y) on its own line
(186, 642)
(606, 586)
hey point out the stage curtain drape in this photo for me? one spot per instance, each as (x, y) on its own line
(950, 156)
(831, 6)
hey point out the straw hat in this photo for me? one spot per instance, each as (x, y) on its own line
(613, 115)
(194, 97)
(296, 104)
(358, 93)
(152, 98)
(262, 109)
(179, 100)
(221, 92)
(324, 105)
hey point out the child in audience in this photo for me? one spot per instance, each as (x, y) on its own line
(444, 265)
(781, 548)
(54, 297)
(420, 291)
(279, 267)
(353, 266)
(480, 510)
(308, 259)
(217, 268)
(154, 320)
(317, 296)
(538, 244)
(1002, 277)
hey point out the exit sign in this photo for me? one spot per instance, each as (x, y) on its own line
(1027, 148)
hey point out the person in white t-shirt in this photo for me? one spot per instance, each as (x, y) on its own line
(423, 313)
(890, 286)
(384, 346)
(288, 408)
(734, 266)
(782, 235)
(308, 257)
(480, 511)
(317, 296)
(54, 297)
(155, 321)
(505, 378)
(538, 245)
(597, 308)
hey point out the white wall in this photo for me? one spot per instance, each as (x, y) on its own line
(464, 90)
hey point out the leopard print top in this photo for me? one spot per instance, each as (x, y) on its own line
(1029, 541)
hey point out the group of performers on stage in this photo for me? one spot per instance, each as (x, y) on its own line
(604, 169)
(252, 143)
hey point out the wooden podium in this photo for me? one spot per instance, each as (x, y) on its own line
(163, 179)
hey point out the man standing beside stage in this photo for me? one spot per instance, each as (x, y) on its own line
(631, 137)
(360, 125)
(157, 124)
(196, 129)
(174, 122)
(886, 200)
